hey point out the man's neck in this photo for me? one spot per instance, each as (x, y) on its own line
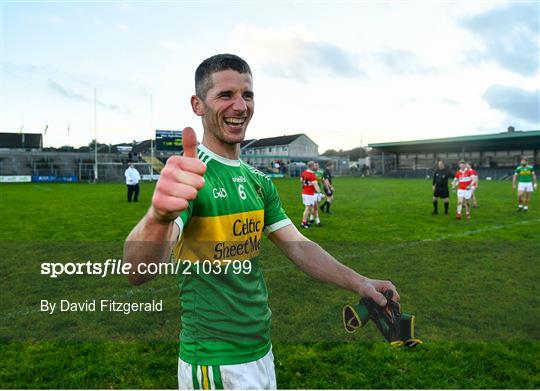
(228, 151)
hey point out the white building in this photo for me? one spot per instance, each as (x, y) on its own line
(282, 149)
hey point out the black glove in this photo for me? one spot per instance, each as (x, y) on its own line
(396, 327)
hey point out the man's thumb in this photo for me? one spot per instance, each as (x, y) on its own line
(377, 297)
(189, 142)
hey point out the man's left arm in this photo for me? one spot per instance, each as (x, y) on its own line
(313, 260)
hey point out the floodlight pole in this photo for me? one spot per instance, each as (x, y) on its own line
(151, 138)
(95, 138)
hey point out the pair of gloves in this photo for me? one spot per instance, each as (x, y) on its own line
(396, 327)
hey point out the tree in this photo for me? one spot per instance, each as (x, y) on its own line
(353, 154)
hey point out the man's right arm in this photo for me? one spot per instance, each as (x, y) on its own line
(316, 186)
(327, 185)
(151, 240)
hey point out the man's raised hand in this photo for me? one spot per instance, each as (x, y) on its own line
(179, 181)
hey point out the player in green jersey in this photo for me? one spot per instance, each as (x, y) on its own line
(525, 178)
(210, 207)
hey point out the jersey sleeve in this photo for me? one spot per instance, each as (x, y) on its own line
(183, 218)
(274, 215)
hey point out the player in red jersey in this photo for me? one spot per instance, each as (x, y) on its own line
(310, 189)
(464, 182)
(474, 174)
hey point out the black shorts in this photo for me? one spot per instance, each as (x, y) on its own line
(328, 193)
(441, 192)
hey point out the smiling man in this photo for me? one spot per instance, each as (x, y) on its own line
(210, 209)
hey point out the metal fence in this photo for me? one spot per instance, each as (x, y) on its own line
(112, 172)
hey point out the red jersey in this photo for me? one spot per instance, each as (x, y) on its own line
(464, 178)
(308, 178)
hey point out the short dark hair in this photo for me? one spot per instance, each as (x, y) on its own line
(217, 63)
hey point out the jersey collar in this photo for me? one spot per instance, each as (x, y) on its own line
(221, 159)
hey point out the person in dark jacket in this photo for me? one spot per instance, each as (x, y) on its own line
(440, 186)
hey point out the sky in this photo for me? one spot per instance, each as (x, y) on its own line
(346, 73)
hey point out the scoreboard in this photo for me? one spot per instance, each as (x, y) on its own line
(169, 140)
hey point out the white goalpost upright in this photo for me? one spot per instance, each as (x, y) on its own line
(95, 138)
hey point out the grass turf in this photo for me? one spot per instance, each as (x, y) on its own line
(471, 283)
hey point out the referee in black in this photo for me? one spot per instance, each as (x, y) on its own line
(328, 188)
(440, 186)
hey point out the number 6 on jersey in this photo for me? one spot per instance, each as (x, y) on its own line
(241, 192)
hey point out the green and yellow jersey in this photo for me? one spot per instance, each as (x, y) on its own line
(320, 175)
(224, 299)
(524, 174)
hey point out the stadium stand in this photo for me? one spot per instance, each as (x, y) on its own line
(81, 165)
(493, 155)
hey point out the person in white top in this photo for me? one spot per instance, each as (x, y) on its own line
(132, 181)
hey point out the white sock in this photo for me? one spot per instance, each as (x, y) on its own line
(459, 209)
(317, 221)
(311, 217)
(526, 207)
(520, 206)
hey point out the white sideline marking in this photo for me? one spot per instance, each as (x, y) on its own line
(445, 237)
(42, 188)
(480, 230)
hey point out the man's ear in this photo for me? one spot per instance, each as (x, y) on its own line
(197, 105)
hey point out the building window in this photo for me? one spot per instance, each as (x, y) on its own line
(284, 149)
(269, 150)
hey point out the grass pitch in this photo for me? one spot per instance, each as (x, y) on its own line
(472, 285)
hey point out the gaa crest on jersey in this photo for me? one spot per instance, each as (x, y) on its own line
(219, 192)
(259, 190)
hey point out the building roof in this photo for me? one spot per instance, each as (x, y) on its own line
(142, 146)
(516, 140)
(272, 141)
(247, 143)
(21, 140)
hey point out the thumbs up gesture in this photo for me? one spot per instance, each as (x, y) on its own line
(179, 181)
